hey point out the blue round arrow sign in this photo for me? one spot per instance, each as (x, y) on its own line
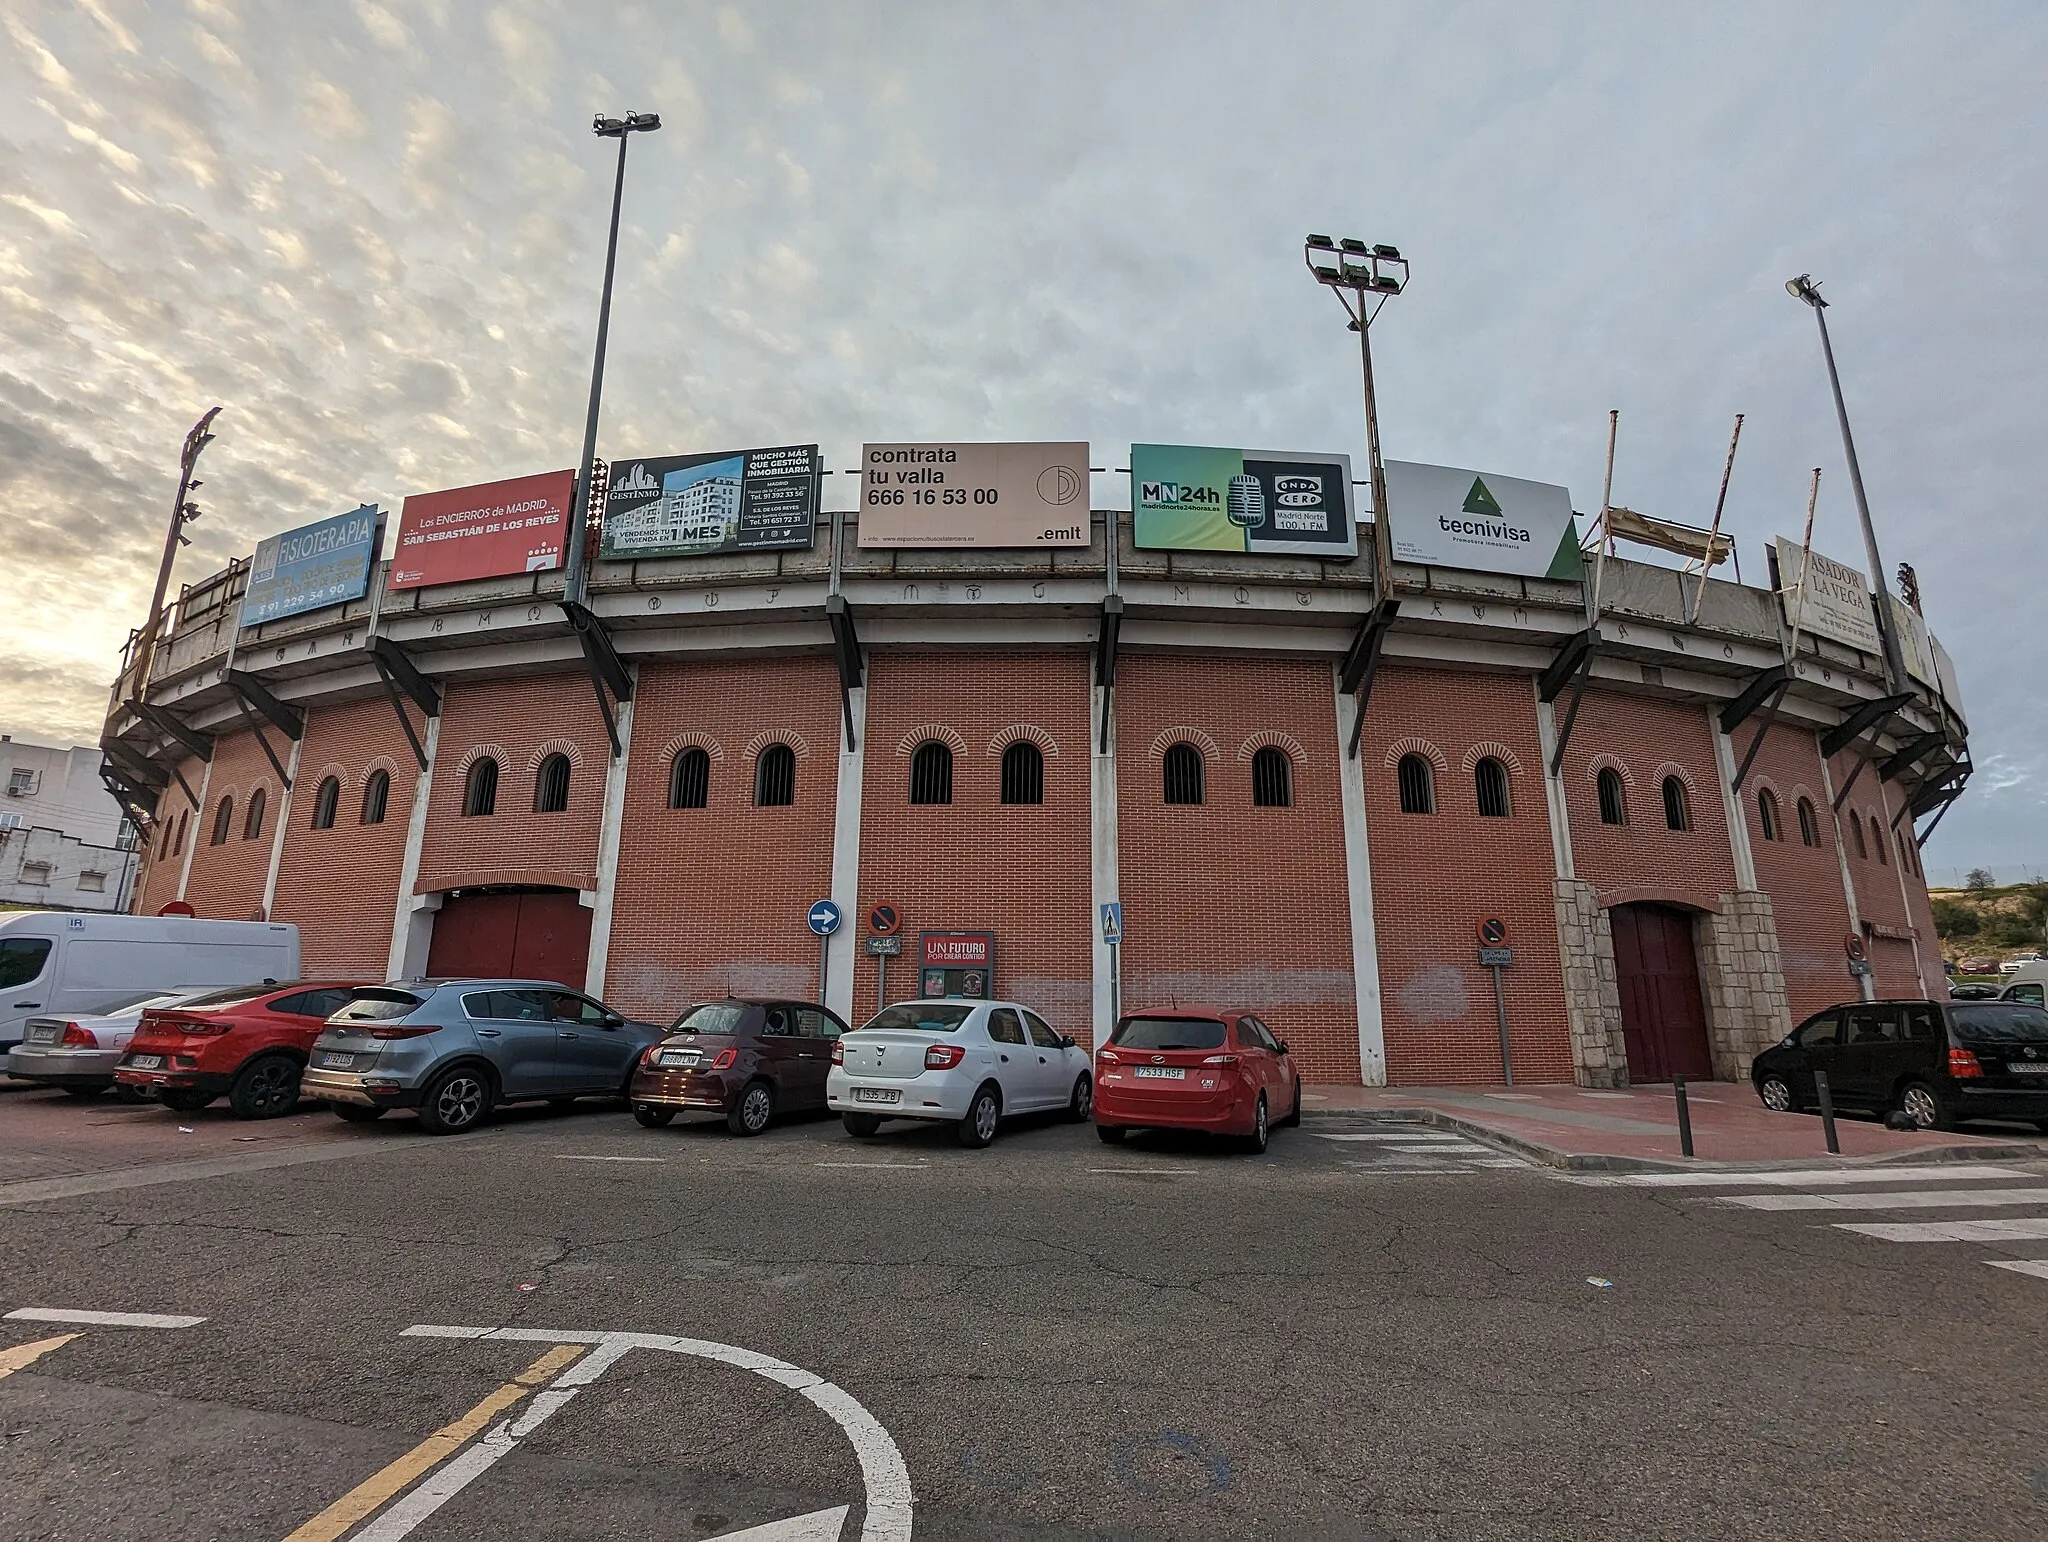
(824, 918)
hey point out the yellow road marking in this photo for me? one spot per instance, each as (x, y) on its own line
(374, 1490)
(22, 1356)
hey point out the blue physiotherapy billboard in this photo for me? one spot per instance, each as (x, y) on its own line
(325, 563)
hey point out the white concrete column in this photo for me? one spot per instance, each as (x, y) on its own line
(1553, 786)
(843, 948)
(1866, 984)
(284, 818)
(199, 831)
(609, 826)
(412, 929)
(1898, 864)
(1731, 804)
(1104, 876)
(1365, 946)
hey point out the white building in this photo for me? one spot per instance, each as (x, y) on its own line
(64, 842)
(703, 513)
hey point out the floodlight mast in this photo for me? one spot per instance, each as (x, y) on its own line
(1353, 271)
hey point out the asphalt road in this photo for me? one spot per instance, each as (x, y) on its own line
(1058, 1338)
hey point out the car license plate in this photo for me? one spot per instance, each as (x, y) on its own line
(678, 1057)
(2025, 1068)
(1164, 1073)
(335, 1060)
(877, 1095)
(45, 1033)
(145, 1062)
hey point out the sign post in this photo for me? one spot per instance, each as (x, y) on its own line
(1496, 955)
(824, 920)
(1113, 936)
(883, 945)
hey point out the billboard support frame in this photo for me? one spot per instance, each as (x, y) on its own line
(1109, 630)
(846, 654)
(1361, 665)
(197, 742)
(399, 673)
(263, 742)
(289, 720)
(609, 676)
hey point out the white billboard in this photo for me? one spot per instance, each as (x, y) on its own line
(1445, 516)
(1834, 601)
(951, 494)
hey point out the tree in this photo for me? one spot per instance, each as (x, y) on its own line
(1978, 878)
(1952, 919)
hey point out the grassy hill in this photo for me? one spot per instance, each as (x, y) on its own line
(1993, 922)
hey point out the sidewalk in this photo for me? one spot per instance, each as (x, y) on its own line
(1588, 1131)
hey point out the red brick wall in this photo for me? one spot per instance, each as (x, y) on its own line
(1226, 903)
(1436, 876)
(1917, 904)
(345, 922)
(1644, 859)
(1875, 875)
(518, 720)
(974, 864)
(1804, 882)
(157, 881)
(713, 899)
(227, 880)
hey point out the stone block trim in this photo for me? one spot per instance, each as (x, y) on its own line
(925, 733)
(1592, 991)
(1005, 737)
(1270, 738)
(1743, 978)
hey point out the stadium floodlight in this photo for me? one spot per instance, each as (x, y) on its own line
(1361, 274)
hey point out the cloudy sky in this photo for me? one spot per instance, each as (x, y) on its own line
(372, 230)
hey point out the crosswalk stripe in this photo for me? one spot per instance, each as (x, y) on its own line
(2018, 1228)
(1419, 1136)
(1457, 1148)
(1953, 1173)
(2037, 1267)
(1905, 1199)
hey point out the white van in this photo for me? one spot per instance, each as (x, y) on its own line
(51, 961)
(2029, 983)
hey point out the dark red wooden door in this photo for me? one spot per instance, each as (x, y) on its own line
(1663, 1019)
(540, 934)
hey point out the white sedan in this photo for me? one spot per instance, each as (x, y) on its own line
(970, 1063)
(78, 1052)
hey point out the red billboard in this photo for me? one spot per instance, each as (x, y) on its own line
(489, 531)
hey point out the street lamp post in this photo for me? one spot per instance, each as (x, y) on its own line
(183, 512)
(620, 129)
(1806, 290)
(1358, 275)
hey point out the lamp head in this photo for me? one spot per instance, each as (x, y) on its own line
(1805, 289)
(1319, 252)
(637, 122)
(608, 128)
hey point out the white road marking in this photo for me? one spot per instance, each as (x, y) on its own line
(818, 1526)
(1905, 1199)
(103, 1319)
(1961, 1172)
(2024, 1228)
(565, 1157)
(1155, 1172)
(896, 1167)
(2037, 1267)
(1420, 1135)
(1498, 1162)
(1446, 1148)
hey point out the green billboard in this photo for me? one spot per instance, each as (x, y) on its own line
(1199, 498)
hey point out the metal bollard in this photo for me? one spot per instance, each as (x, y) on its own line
(1827, 1112)
(1684, 1115)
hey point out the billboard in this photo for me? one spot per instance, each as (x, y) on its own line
(487, 531)
(1444, 516)
(1836, 603)
(999, 495)
(1916, 643)
(697, 505)
(325, 563)
(1193, 498)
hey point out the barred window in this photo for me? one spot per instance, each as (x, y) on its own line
(1181, 772)
(1677, 806)
(1613, 798)
(1856, 829)
(1809, 825)
(1023, 773)
(931, 773)
(252, 826)
(376, 797)
(775, 777)
(325, 802)
(689, 779)
(1767, 815)
(480, 792)
(1877, 840)
(1272, 778)
(223, 821)
(551, 785)
(1490, 782)
(178, 845)
(1417, 780)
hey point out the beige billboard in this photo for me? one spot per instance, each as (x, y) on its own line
(936, 494)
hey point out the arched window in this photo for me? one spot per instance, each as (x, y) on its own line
(1490, 782)
(1182, 773)
(376, 797)
(775, 777)
(1677, 806)
(325, 802)
(1416, 778)
(178, 845)
(1809, 825)
(1613, 797)
(480, 792)
(931, 773)
(1272, 778)
(1856, 829)
(1877, 840)
(1767, 815)
(689, 779)
(223, 821)
(551, 785)
(253, 825)
(1905, 851)
(1023, 773)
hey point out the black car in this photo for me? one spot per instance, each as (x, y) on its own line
(1973, 992)
(1939, 1061)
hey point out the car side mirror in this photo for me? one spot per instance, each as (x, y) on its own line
(1066, 1041)
(1283, 1045)
(1785, 1043)
(613, 1020)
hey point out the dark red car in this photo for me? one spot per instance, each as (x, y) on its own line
(1195, 1068)
(248, 1042)
(747, 1060)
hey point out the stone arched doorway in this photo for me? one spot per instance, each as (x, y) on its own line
(1663, 1010)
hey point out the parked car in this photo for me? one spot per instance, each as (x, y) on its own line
(79, 1051)
(1942, 1062)
(1972, 991)
(969, 1063)
(456, 1049)
(747, 1060)
(248, 1042)
(2017, 962)
(1195, 1068)
(1977, 964)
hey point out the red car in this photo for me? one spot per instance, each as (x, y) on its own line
(1195, 1068)
(249, 1042)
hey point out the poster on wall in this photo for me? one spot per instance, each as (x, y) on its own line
(1195, 498)
(965, 495)
(1446, 516)
(1916, 646)
(325, 563)
(701, 505)
(1835, 603)
(491, 530)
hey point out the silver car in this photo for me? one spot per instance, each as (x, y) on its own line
(79, 1051)
(455, 1049)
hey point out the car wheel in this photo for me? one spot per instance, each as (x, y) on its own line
(266, 1087)
(1924, 1106)
(1082, 1103)
(1776, 1093)
(653, 1118)
(861, 1124)
(1261, 1133)
(752, 1110)
(983, 1114)
(456, 1100)
(1110, 1134)
(183, 1101)
(1293, 1119)
(356, 1113)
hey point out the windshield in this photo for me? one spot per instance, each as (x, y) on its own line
(1999, 1022)
(374, 1004)
(726, 1017)
(1169, 1033)
(929, 1016)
